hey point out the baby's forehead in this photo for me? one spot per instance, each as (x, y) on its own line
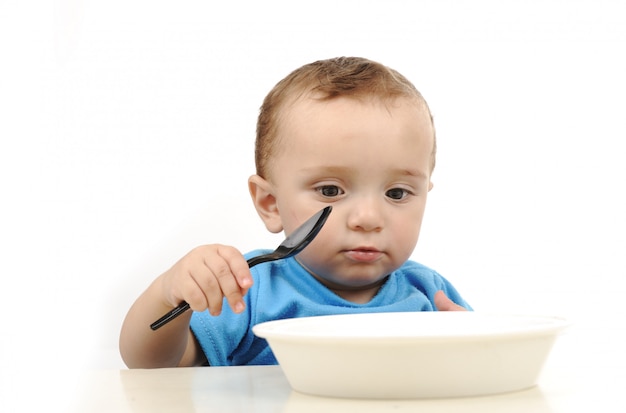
(303, 108)
(314, 101)
(312, 117)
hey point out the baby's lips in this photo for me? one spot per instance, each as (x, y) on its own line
(364, 254)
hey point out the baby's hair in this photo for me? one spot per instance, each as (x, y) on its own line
(353, 77)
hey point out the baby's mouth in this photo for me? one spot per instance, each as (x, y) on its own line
(364, 254)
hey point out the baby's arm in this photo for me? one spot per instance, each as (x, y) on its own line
(202, 278)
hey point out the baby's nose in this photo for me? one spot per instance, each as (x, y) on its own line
(366, 215)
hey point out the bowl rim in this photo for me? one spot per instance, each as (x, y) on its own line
(279, 329)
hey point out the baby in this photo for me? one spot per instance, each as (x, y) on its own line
(346, 132)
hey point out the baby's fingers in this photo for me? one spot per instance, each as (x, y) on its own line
(233, 275)
(443, 303)
(239, 268)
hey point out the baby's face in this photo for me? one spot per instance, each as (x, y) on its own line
(371, 162)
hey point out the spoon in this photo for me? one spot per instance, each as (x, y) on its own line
(291, 246)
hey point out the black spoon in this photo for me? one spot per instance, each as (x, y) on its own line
(291, 246)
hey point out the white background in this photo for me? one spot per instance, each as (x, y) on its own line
(127, 132)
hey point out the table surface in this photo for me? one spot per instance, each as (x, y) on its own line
(567, 383)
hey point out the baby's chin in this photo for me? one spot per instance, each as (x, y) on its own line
(347, 275)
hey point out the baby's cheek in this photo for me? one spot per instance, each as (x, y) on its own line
(404, 242)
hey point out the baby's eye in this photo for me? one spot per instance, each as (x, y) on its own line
(330, 191)
(397, 193)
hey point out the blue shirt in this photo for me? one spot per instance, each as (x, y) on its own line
(284, 289)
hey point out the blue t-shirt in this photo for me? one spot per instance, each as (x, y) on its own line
(284, 289)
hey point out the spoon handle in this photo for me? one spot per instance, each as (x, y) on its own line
(260, 259)
(182, 307)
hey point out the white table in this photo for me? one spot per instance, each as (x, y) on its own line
(567, 384)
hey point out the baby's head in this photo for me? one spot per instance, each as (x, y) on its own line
(352, 77)
(354, 134)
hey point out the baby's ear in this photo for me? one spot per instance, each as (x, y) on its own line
(264, 201)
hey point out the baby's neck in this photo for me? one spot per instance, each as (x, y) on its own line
(358, 296)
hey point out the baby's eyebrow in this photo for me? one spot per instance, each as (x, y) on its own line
(342, 170)
(329, 169)
(411, 172)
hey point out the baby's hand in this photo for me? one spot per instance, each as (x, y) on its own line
(443, 303)
(205, 276)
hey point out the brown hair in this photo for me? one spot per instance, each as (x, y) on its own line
(328, 79)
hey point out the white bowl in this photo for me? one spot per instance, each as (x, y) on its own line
(413, 354)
